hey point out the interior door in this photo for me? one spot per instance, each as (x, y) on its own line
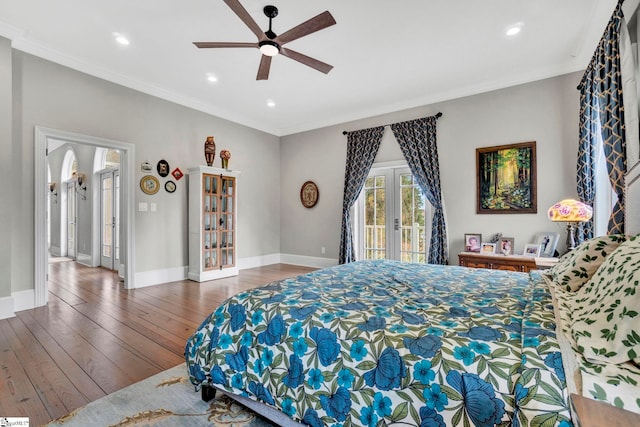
(71, 219)
(109, 219)
(393, 217)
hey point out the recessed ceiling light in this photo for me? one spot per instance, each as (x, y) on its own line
(121, 39)
(514, 29)
(271, 104)
(212, 78)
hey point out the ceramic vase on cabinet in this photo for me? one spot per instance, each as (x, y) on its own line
(209, 150)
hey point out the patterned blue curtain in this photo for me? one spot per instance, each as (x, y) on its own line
(586, 168)
(417, 139)
(612, 115)
(603, 81)
(362, 147)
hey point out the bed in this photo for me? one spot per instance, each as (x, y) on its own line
(388, 343)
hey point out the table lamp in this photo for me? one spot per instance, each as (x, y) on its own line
(572, 212)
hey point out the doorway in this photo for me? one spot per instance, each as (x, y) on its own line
(44, 136)
(393, 218)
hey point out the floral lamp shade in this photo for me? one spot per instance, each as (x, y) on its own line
(570, 211)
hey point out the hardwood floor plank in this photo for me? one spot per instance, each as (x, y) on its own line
(82, 382)
(56, 392)
(95, 337)
(140, 345)
(19, 397)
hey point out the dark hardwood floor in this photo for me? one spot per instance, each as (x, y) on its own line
(95, 337)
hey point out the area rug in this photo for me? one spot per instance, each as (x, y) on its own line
(165, 399)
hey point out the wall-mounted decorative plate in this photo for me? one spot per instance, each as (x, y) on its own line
(170, 186)
(149, 184)
(309, 194)
(163, 168)
(146, 167)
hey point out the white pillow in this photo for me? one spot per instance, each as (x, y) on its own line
(606, 311)
(575, 268)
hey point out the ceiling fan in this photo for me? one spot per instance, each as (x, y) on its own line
(271, 44)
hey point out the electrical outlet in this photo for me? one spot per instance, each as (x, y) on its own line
(323, 250)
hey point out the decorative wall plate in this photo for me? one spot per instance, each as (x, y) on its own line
(163, 168)
(309, 194)
(149, 184)
(170, 186)
(146, 167)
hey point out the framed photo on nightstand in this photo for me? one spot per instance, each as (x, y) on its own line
(488, 248)
(505, 246)
(548, 242)
(472, 242)
(531, 249)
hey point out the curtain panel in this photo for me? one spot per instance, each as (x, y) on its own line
(362, 147)
(417, 139)
(603, 81)
(587, 148)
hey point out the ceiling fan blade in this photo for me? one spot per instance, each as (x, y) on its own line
(317, 23)
(263, 70)
(245, 17)
(306, 60)
(204, 45)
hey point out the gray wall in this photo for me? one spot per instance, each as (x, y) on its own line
(46, 94)
(271, 219)
(545, 111)
(6, 160)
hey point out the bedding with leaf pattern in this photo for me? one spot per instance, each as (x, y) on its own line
(380, 343)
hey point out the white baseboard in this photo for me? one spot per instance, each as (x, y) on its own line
(6, 308)
(24, 300)
(18, 301)
(85, 259)
(158, 277)
(258, 261)
(307, 261)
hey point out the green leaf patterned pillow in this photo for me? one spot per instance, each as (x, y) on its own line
(575, 268)
(606, 320)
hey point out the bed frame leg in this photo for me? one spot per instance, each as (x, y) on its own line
(208, 393)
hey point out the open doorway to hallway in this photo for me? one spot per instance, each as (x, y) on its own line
(88, 198)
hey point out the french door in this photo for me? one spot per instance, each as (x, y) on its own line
(110, 219)
(72, 212)
(393, 217)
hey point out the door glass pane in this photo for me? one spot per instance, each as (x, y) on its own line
(107, 215)
(412, 214)
(71, 219)
(374, 218)
(116, 215)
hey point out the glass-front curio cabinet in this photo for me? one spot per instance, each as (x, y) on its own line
(212, 223)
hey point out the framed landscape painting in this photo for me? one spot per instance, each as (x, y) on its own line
(506, 179)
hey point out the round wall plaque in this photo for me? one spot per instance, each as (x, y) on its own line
(309, 194)
(149, 184)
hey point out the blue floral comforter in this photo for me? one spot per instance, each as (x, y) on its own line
(379, 343)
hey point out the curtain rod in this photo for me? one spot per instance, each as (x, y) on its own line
(437, 115)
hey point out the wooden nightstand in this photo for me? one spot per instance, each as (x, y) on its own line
(592, 413)
(497, 262)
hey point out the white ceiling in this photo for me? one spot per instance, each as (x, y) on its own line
(387, 55)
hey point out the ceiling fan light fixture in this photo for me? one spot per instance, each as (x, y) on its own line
(269, 47)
